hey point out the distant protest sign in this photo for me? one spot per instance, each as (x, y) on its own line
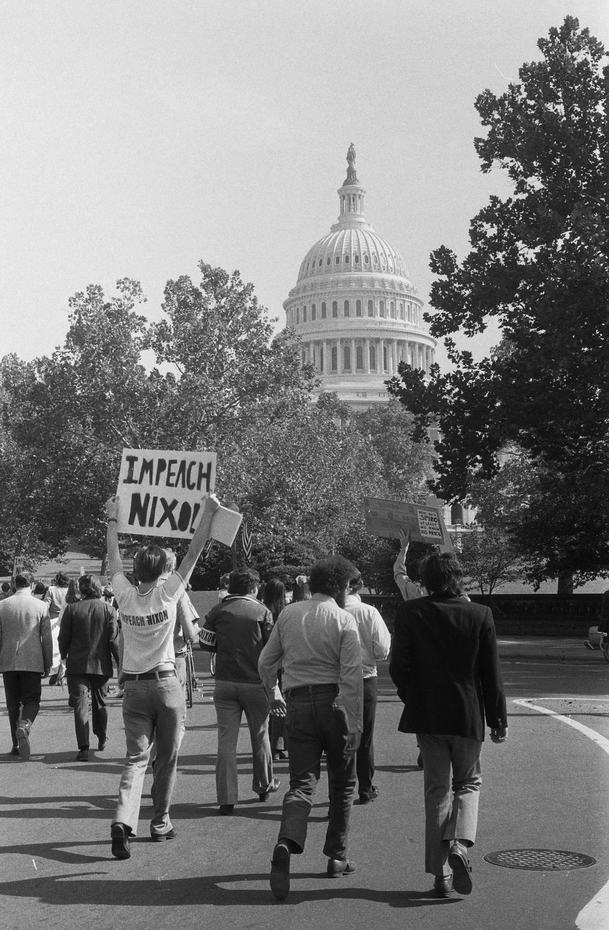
(423, 522)
(160, 492)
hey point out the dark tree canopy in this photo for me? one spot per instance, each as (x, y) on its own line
(538, 264)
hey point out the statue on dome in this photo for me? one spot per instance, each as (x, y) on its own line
(351, 175)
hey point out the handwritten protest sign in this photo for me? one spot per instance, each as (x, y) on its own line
(424, 522)
(160, 491)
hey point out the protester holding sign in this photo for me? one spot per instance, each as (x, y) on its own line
(153, 703)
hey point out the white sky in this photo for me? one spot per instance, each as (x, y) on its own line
(140, 136)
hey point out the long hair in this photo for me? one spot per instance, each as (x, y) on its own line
(442, 575)
(274, 596)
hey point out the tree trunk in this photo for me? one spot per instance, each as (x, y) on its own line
(565, 583)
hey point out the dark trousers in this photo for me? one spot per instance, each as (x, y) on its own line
(22, 690)
(80, 688)
(315, 724)
(365, 753)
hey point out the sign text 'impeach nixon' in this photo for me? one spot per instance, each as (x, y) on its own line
(160, 492)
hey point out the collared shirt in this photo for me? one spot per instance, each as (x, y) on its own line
(315, 642)
(374, 637)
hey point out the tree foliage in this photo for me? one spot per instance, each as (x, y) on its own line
(538, 264)
(218, 379)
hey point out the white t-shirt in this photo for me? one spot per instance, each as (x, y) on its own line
(147, 622)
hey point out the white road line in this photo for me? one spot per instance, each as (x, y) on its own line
(595, 914)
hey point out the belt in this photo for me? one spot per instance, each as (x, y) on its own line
(144, 676)
(307, 690)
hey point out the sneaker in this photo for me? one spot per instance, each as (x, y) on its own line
(82, 755)
(274, 786)
(280, 871)
(459, 863)
(226, 809)
(120, 840)
(23, 740)
(14, 751)
(101, 745)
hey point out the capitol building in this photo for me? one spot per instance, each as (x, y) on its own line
(355, 308)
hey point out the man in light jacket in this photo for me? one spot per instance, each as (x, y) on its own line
(26, 655)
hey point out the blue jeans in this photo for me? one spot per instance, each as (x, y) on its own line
(79, 689)
(232, 699)
(153, 711)
(314, 724)
(449, 814)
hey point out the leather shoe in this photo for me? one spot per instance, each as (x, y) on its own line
(120, 840)
(372, 795)
(226, 809)
(280, 871)
(159, 837)
(443, 886)
(23, 740)
(82, 755)
(101, 745)
(338, 867)
(459, 863)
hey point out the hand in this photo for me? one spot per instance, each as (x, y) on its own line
(404, 540)
(277, 708)
(112, 508)
(499, 734)
(353, 741)
(211, 503)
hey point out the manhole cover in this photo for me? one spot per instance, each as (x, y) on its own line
(540, 860)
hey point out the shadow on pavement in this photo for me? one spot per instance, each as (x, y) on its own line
(80, 888)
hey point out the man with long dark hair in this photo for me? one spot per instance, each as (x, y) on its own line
(445, 666)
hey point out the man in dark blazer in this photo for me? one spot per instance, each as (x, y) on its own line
(445, 666)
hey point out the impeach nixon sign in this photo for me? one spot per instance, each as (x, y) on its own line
(423, 522)
(160, 492)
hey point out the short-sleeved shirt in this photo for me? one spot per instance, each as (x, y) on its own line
(147, 622)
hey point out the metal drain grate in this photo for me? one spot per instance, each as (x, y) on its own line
(540, 860)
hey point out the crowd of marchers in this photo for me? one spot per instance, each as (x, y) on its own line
(301, 667)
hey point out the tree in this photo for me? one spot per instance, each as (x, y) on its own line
(539, 264)
(488, 558)
(85, 403)
(219, 344)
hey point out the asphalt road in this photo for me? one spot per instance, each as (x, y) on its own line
(544, 789)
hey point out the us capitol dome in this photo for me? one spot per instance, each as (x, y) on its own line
(355, 308)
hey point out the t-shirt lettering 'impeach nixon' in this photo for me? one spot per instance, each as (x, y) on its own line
(147, 622)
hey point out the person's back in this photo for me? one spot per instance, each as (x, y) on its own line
(453, 667)
(310, 633)
(242, 625)
(89, 625)
(20, 632)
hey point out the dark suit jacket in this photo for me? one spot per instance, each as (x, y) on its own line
(445, 666)
(88, 636)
